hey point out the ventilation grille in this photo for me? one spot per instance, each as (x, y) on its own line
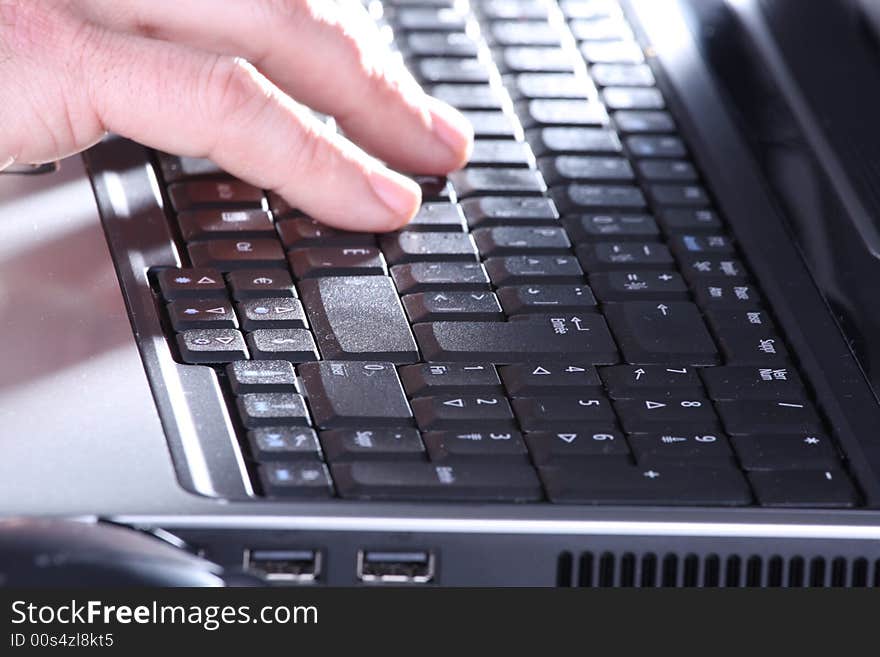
(652, 570)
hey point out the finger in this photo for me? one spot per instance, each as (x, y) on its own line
(324, 56)
(181, 100)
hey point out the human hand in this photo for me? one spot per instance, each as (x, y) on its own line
(216, 79)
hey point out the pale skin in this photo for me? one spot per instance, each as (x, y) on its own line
(228, 80)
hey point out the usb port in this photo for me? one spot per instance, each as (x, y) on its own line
(395, 567)
(284, 565)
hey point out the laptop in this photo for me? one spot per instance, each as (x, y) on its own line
(632, 343)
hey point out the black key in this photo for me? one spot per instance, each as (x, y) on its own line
(543, 413)
(550, 85)
(175, 168)
(479, 306)
(440, 44)
(566, 447)
(461, 482)
(622, 75)
(558, 339)
(186, 314)
(530, 379)
(427, 379)
(640, 381)
(268, 409)
(622, 227)
(303, 232)
(572, 168)
(270, 444)
(523, 33)
(211, 346)
(463, 412)
(527, 299)
(495, 210)
(395, 444)
(296, 480)
(485, 182)
(558, 140)
(355, 394)
(638, 286)
(410, 246)
(686, 245)
(358, 318)
(612, 52)
(665, 414)
(561, 112)
(491, 124)
(436, 70)
(260, 284)
(603, 482)
(209, 224)
(640, 121)
(261, 376)
(341, 261)
(535, 59)
(430, 19)
(748, 337)
(786, 452)
(760, 383)
(806, 489)
(526, 240)
(445, 217)
(191, 284)
(501, 153)
(769, 417)
(271, 313)
(501, 446)
(440, 276)
(576, 198)
(698, 268)
(689, 220)
(656, 146)
(632, 98)
(228, 193)
(624, 256)
(687, 447)
(659, 333)
(519, 270)
(294, 345)
(469, 96)
(667, 170)
(434, 188)
(722, 294)
(229, 255)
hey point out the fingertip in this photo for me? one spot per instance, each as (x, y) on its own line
(456, 133)
(402, 196)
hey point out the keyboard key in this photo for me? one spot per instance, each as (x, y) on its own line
(641, 381)
(491, 124)
(447, 70)
(550, 85)
(428, 379)
(653, 333)
(572, 168)
(440, 276)
(543, 413)
(294, 345)
(600, 29)
(698, 268)
(590, 9)
(527, 299)
(438, 217)
(358, 318)
(624, 256)
(656, 146)
(523, 33)
(355, 394)
(270, 444)
(260, 284)
(430, 19)
(229, 255)
(341, 261)
(459, 482)
(786, 452)
(501, 446)
(543, 112)
(632, 98)
(532, 379)
(262, 409)
(759, 383)
(679, 195)
(296, 480)
(806, 489)
(506, 9)
(476, 182)
(479, 306)
(175, 168)
(686, 245)
(261, 376)
(346, 445)
(439, 44)
(722, 294)
(434, 188)
(667, 170)
(410, 246)
(769, 417)
(619, 227)
(638, 286)
(211, 346)
(612, 52)
(681, 448)
(501, 153)
(584, 338)
(526, 240)
(689, 220)
(604, 482)
(209, 224)
(468, 96)
(576, 198)
(495, 210)
(269, 313)
(186, 314)
(191, 284)
(567, 447)
(303, 232)
(519, 270)
(463, 412)
(535, 59)
(622, 75)
(664, 414)
(748, 337)
(639, 121)
(228, 194)
(557, 140)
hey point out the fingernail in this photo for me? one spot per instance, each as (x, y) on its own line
(452, 128)
(399, 193)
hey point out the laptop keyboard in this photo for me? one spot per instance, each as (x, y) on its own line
(567, 319)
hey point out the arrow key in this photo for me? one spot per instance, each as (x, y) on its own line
(663, 414)
(465, 412)
(550, 379)
(268, 313)
(200, 346)
(201, 283)
(186, 314)
(558, 448)
(634, 381)
(451, 306)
